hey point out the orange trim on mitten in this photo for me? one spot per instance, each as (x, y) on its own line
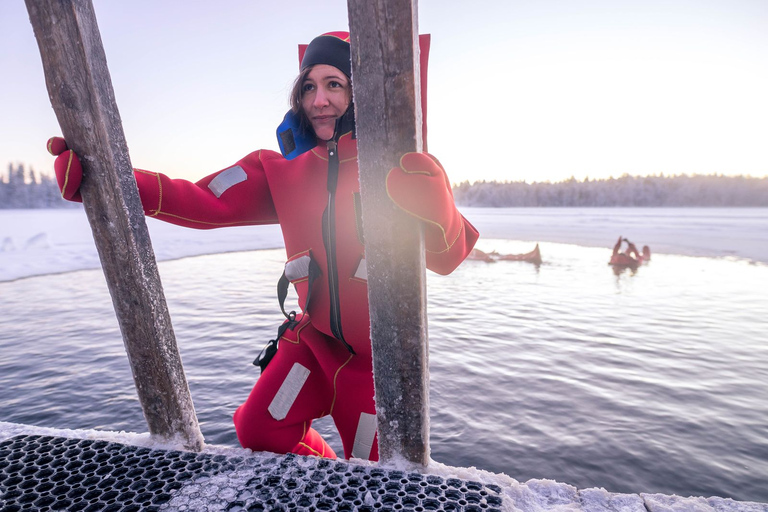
(421, 188)
(150, 191)
(56, 146)
(69, 172)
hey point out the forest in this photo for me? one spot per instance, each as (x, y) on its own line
(25, 188)
(625, 191)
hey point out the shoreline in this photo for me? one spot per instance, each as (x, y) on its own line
(42, 242)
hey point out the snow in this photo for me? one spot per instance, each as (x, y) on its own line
(740, 233)
(8, 430)
(39, 242)
(215, 492)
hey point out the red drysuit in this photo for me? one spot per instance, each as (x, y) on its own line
(313, 373)
(323, 365)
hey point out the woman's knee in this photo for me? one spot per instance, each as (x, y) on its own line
(262, 433)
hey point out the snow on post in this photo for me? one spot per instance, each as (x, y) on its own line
(385, 72)
(81, 93)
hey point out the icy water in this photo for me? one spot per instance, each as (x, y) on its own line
(654, 381)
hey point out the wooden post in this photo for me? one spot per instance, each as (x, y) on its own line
(81, 93)
(385, 77)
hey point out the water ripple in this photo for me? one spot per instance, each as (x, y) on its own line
(655, 381)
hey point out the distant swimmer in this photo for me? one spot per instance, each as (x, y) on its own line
(533, 257)
(477, 254)
(631, 257)
(646, 253)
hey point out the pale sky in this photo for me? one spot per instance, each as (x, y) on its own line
(536, 90)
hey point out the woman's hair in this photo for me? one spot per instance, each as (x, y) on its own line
(295, 99)
(296, 91)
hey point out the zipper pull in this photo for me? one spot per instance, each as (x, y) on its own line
(331, 145)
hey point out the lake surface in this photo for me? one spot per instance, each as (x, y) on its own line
(652, 381)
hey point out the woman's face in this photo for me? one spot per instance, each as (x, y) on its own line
(325, 97)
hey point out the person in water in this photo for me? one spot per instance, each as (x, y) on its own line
(630, 257)
(533, 256)
(320, 362)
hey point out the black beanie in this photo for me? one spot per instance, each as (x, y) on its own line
(332, 49)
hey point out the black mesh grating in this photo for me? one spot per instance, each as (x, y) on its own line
(54, 473)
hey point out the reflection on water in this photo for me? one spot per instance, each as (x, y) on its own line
(653, 381)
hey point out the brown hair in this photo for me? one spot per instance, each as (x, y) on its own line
(295, 98)
(296, 92)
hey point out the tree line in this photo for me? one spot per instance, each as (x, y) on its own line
(626, 191)
(25, 188)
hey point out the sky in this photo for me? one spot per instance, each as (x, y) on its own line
(518, 90)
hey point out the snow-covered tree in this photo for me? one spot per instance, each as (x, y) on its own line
(626, 191)
(24, 188)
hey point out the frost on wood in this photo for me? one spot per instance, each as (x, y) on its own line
(83, 99)
(383, 64)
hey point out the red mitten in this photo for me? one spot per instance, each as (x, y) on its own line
(69, 173)
(421, 188)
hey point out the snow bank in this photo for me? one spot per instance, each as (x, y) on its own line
(38, 242)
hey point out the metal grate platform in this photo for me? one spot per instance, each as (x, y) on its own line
(55, 473)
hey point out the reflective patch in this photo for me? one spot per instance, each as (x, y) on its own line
(226, 179)
(362, 271)
(288, 392)
(366, 432)
(298, 268)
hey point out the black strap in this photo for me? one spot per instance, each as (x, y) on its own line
(282, 293)
(269, 351)
(284, 282)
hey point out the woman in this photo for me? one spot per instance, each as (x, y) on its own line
(323, 362)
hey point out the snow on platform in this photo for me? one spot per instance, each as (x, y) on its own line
(46, 469)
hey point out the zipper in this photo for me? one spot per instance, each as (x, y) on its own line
(330, 244)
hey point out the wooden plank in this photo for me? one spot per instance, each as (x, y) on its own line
(384, 44)
(80, 90)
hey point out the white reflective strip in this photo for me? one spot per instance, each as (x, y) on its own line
(362, 270)
(366, 432)
(226, 179)
(288, 392)
(298, 268)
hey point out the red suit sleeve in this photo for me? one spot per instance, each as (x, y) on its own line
(236, 196)
(444, 262)
(421, 187)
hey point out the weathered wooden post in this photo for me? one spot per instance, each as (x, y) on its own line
(81, 93)
(385, 77)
